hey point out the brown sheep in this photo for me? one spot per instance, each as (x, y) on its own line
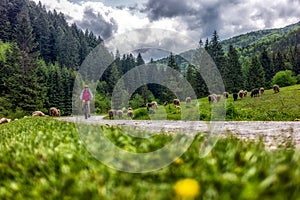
(112, 113)
(276, 88)
(176, 102)
(4, 120)
(241, 94)
(212, 98)
(188, 100)
(54, 112)
(226, 95)
(153, 105)
(261, 91)
(39, 113)
(119, 113)
(245, 93)
(130, 113)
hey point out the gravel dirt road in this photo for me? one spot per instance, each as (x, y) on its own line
(272, 133)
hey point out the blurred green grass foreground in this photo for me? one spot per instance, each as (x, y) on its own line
(43, 158)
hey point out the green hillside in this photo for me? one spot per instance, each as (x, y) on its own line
(261, 37)
(282, 106)
(43, 158)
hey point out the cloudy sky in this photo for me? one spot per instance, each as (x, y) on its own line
(194, 18)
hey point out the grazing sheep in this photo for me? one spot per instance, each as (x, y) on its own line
(176, 102)
(119, 113)
(226, 95)
(188, 100)
(39, 113)
(166, 103)
(54, 112)
(276, 88)
(241, 94)
(255, 92)
(212, 98)
(112, 113)
(4, 120)
(153, 105)
(245, 93)
(130, 113)
(235, 96)
(261, 91)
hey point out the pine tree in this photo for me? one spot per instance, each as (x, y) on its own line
(295, 59)
(24, 92)
(139, 60)
(215, 50)
(256, 77)
(233, 71)
(196, 81)
(206, 46)
(114, 76)
(172, 62)
(5, 25)
(23, 32)
(278, 62)
(144, 89)
(200, 45)
(245, 73)
(266, 64)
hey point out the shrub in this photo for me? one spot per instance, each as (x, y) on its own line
(141, 114)
(137, 101)
(231, 111)
(298, 78)
(284, 78)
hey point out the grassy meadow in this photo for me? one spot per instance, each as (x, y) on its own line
(282, 106)
(43, 158)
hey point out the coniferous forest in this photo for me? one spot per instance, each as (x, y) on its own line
(40, 54)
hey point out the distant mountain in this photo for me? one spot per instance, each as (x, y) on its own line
(272, 39)
(249, 44)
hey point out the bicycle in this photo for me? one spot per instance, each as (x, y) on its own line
(86, 110)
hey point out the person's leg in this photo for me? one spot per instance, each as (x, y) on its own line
(82, 104)
(89, 109)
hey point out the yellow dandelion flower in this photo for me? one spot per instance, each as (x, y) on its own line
(187, 188)
(178, 161)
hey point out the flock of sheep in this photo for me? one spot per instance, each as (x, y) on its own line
(153, 105)
(256, 92)
(119, 113)
(52, 112)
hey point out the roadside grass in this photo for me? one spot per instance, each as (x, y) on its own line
(282, 106)
(43, 158)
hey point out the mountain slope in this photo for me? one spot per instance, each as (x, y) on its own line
(261, 36)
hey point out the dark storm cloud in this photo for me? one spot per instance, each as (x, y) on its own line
(226, 16)
(97, 24)
(157, 9)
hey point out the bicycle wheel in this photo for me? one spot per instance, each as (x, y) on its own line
(86, 111)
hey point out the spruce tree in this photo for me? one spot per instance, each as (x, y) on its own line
(172, 62)
(266, 64)
(233, 71)
(256, 77)
(216, 52)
